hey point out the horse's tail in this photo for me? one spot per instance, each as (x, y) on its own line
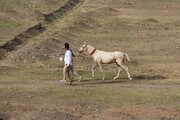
(127, 57)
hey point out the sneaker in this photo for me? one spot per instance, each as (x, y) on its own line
(71, 82)
(62, 81)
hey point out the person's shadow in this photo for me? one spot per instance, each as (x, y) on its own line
(121, 80)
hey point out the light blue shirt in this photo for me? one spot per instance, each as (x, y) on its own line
(68, 58)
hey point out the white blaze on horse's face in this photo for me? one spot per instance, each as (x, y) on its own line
(83, 48)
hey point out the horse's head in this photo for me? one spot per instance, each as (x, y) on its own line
(83, 48)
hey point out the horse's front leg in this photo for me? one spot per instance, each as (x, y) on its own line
(100, 66)
(94, 66)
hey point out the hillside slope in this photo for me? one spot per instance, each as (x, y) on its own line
(18, 15)
(141, 29)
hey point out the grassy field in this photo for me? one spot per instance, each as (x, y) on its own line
(148, 31)
(33, 92)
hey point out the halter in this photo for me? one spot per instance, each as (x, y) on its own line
(93, 51)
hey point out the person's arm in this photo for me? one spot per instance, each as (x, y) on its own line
(72, 53)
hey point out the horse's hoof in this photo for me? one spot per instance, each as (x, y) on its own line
(80, 78)
(130, 78)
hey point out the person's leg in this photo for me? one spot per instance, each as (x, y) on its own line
(75, 73)
(70, 67)
(64, 74)
(68, 78)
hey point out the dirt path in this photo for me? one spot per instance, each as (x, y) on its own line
(120, 83)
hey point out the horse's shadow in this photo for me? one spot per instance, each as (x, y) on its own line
(149, 77)
(86, 82)
(123, 80)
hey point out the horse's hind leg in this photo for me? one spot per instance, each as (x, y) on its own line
(120, 62)
(119, 71)
(127, 71)
(100, 66)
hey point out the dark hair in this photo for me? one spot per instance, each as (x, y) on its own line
(66, 45)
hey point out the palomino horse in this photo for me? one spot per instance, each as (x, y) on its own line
(102, 57)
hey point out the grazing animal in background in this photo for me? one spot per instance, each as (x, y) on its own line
(102, 57)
